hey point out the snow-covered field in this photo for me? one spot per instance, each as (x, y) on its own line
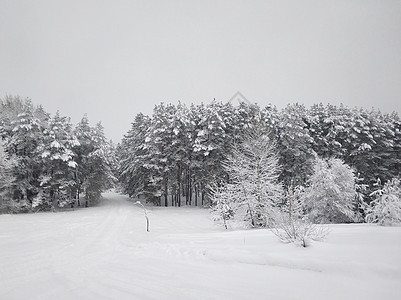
(105, 253)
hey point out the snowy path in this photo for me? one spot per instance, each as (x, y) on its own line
(105, 253)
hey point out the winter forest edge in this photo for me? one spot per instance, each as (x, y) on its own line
(253, 167)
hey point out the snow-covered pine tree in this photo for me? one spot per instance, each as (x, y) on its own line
(386, 161)
(83, 133)
(158, 154)
(11, 107)
(100, 176)
(252, 190)
(360, 155)
(26, 138)
(339, 122)
(294, 145)
(245, 117)
(180, 151)
(330, 195)
(131, 155)
(212, 144)
(373, 146)
(330, 128)
(197, 155)
(6, 179)
(57, 179)
(386, 208)
(319, 127)
(93, 173)
(189, 134)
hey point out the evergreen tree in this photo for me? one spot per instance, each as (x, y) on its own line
(294, 145)
(180, 140)
(212, 144)
(6, 179)
(131, 155)
(83, 133)
(24, 143)
(57, 179)
(197, 152)
(158, 161)
(50, 166)
(93, 174)
(100, 176)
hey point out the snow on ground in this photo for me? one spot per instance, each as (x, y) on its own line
(105, 253)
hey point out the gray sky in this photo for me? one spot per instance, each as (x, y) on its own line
(114, 59)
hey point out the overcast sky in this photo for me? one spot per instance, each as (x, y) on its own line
(114, 59)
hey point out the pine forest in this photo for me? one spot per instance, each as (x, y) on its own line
(241, 161)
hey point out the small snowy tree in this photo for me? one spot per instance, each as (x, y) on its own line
(222, 205)
(330, 196)
(252, 190)
(386, 208)
(291, 225)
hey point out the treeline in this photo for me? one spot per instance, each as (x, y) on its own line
(46, 162)
(173, 156)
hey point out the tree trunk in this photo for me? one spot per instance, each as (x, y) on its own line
(187, 187)
(190, 188)
(165, 191)
(250, 213)
(196, 194)
(86, 199)
(179, 171)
